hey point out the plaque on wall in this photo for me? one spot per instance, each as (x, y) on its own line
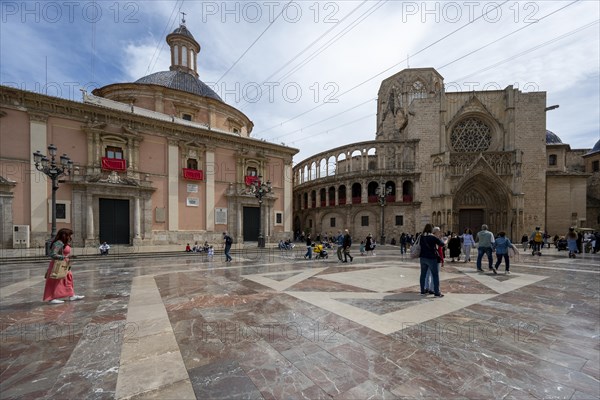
(220, 216)
(192, 188)
(193, 202)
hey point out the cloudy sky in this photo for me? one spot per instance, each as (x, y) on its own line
(307, 72)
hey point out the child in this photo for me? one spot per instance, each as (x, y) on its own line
(188, 249)
(361, 248)
(211, 252)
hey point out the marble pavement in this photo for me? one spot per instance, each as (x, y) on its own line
(275, 326)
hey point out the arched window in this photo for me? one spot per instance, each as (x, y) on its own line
(332, 196)
(356, 193)
(552, 159)
(372, 192)
(322, 197)
(407, 192)
(342, 195)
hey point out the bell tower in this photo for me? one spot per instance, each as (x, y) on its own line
(184, 49)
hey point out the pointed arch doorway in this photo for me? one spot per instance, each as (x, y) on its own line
(479, 201)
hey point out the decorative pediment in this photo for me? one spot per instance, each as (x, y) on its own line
(484, 172)
(113, 178)
(473, 106)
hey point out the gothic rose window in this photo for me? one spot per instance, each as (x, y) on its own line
(471, 135)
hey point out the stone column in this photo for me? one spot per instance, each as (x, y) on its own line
(209, 199)
(173, 186)
(288, 197)
(89, 225)
(38, 185)
(136, 219)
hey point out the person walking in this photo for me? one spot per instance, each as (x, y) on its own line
(454, 247)
(486, 244)
(525, 241)
(56, 291)
(503, 244)
(228, 242)
(369, 246)
(340, 245)
(404, 238)
(347, 244)
(429, 259)
(571, 237)
(537, 241)
(308, 247)
(429, 288)
(468, 243)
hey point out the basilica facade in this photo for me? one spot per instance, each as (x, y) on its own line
(454, 159)
(162, 160)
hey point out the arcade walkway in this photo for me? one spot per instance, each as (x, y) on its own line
(276, 326)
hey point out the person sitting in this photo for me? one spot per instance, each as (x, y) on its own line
(188, 249)
(281, 245)
(206, 246)
(289, 245)
(104, 247)
(393, 242)
(196, 248)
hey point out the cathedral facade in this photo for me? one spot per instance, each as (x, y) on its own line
(162, 160)
(457, 160)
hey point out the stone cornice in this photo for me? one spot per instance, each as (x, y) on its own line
(53, 106)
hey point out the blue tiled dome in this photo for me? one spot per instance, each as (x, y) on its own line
(552, 138)
(182, 30)
(596, 147)
(179, 80)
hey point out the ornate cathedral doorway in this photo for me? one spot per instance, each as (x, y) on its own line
(470, 218)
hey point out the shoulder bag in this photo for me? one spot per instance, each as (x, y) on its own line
(60, 269)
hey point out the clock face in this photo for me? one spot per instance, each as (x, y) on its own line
(417, 86)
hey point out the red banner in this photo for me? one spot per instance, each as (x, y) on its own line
(114, 164)
(193, 174)
(250, 179)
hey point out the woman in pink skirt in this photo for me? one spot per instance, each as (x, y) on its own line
(59, 290)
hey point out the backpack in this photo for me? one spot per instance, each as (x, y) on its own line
(228, 240)
(538, 237)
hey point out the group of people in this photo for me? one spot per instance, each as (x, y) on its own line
(342, 240)
(198, 248)
(432, 243)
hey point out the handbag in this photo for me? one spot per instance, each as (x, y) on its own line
(415, 249)
(60, 269)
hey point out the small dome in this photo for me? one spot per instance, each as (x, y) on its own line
(182, 30)
(179, 80)
(596, 148)
(552, 138)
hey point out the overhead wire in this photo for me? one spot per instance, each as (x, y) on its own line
(459, 58)
(311, 45)
(160, 45)
(385, 70)
(254, 42)
(537, 47)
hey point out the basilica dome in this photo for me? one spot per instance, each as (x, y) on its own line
(180, 80)
(552, 138)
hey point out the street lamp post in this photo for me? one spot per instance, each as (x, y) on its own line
(381, 192)
(54, 171)
(260, 189)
